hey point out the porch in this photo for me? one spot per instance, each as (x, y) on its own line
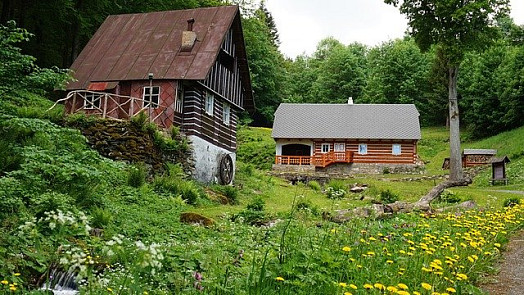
(318, 159)
(118, 107)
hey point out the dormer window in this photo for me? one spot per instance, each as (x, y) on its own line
(151, 96)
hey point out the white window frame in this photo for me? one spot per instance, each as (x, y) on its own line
(325, 150)
(179, 103)
(339, 147)
(396, 149)
(92, 101)
(226, 113)
(362, 148)
(149, 98)
(209, 103)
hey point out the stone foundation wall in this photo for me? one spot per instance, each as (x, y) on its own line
(124, 141)
(353, 168)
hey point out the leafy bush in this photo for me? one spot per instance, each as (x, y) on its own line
(136, 176)
(448, 196)
(336, 189)
(314, 185)
(254, 213)
(190, 191)
(388, 197)
(256, 204)
(510, 202)
(230, 192)
(100, 217)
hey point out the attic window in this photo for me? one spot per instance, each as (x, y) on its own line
(151, 96)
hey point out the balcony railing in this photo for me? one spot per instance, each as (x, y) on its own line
(109, 105)
(318, 159)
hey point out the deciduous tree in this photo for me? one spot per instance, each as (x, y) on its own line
(456, 27)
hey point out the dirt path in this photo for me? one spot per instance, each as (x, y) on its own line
(510, 279)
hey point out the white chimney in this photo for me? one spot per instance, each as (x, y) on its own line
(350, 100)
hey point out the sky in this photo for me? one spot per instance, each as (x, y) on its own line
(303, 23)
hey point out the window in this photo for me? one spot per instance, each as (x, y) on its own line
(340, 147)
(396, 149)
(210, 101)
(151, 96)
(179, 103)
(92, 101)
(362, 148)
(226, 113)
(325, 147)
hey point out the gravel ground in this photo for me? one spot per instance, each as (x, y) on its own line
(510, 279)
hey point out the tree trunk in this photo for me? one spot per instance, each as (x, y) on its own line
(455, 157)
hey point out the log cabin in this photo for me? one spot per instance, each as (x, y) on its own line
(184, 68)
(315, 137)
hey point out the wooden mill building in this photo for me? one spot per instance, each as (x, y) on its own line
(317, 136)
(185, 68)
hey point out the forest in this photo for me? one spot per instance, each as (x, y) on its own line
(490, 82)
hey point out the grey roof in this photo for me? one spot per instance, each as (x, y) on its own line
(349, 121)
(479, 152)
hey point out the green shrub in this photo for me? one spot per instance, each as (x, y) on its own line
(336, 189)
(388, 197)
(256, 204)
(187, 190)
(136, 176)
(337, 184)
(510, 202)
(230, 192)
(448, 196)
(100, 217)
(254, 213)
(51, 201)
(314, 185)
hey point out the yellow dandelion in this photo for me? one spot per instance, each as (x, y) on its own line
(461, 276)
(426, 286)
(379, 286)
(4, 282)
(109, 290)
(343, 285)
(346, 249)
(402, 292)
(451, 290)
(389, 261)
(17, 274)
(416, 293)
(12, 288)
(348, 293)
(368, 286)
(352, 286)
(280, 279)
(402, 286)
(392, 289)
(496, 245)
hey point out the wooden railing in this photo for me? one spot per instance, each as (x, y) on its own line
(109, 105)
(293, 160)
(319, 160)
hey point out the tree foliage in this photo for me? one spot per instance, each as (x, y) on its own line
(456, 27)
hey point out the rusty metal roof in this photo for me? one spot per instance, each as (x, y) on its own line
(130, 46)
